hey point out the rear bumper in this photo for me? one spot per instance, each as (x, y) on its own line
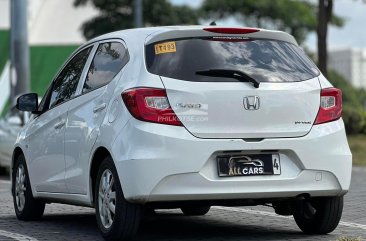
(166, 163)
(195, 186)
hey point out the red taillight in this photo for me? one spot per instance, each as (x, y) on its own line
(330, 105)
(151, 105)
(232, 30)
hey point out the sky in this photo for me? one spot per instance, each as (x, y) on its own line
(352, 34)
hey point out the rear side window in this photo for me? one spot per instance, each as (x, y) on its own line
(263, 59)
(108, 61)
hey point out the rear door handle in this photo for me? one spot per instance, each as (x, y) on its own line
(99, 108)
(60, 124)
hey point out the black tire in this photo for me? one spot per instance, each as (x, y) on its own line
(32, 209)
(195, 211)
(149, 212)
(328, 213)
(126, 218)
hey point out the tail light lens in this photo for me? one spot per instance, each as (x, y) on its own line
(151, 105)
(330, 105)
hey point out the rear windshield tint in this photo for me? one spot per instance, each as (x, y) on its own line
(263, 59)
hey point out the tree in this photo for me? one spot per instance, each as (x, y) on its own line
(354, 115)
(118, 14)
(325, 16)
(295, 17)
(325, 10)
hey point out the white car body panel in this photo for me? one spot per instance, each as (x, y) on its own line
(45, 140)
(158, 162)
(82, 130)
(289, 111)
(193, 174)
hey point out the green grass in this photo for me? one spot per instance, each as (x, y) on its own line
(357, 144)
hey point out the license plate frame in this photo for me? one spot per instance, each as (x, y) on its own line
(248, 165)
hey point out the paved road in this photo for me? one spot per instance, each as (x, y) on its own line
(63, 222)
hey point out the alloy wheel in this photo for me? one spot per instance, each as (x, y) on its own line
(20, 187)
(107, 199)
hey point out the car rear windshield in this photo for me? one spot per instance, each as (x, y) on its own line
(265, 60)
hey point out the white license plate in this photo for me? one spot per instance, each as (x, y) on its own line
(249, 165)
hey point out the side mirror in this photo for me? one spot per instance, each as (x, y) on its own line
(27, 102)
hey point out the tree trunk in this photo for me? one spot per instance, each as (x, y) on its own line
(324, 15)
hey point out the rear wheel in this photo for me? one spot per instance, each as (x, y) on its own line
(25, 205)
(318, 215)
(117, 219)
(149, 211)
(195, 211)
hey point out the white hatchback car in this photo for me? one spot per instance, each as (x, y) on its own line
(185, 117)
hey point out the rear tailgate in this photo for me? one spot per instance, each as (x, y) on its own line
(216, 110)
(285, 104)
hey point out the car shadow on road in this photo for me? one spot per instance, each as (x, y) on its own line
(174, 226)
(162, 226)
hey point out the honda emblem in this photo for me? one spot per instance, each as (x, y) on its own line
(251, 102)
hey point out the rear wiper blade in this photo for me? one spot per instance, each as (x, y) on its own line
(230, 73)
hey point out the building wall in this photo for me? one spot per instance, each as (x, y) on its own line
(4, 48)
(340, 61)
(4, 14)
(45, 61)
(52, 22)
(350, 63)
(57, 22)
(54, 32)
(363, 69)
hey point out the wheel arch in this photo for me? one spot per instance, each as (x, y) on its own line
(99, 154)
(16, 153)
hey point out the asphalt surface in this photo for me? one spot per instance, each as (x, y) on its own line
(64, 222)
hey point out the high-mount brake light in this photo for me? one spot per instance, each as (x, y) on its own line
(232, 30)
(151, 105)
(330, 105)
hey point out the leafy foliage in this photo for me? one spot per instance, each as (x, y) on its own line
(354, 101)
(118, 14)
(357, 144)
(353, 119)
(295, 17)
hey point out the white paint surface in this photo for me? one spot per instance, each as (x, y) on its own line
(16, 236)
